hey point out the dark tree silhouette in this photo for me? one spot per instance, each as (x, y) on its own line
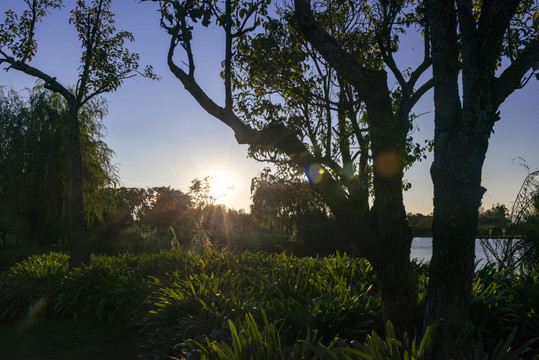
(471, 43)
(105, 64)
(379, 232)
(35, 170)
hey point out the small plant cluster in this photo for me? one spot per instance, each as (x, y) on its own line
(225, 305)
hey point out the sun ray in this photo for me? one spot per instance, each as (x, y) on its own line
(221, 187)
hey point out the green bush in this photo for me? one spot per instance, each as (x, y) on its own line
(191, 305)
(32, 285)
(503, 300)
(11, 256)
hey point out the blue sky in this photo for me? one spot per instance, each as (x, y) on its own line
(161, 136)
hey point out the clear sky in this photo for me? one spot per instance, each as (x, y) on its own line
(162, 137)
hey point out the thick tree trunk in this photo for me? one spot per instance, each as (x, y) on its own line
(398, 290)
(80, 254)
(460, 144)
(453, 250)
(386, 243)
(453, 230)
(391, 261)
(456, 175)
(398, 280)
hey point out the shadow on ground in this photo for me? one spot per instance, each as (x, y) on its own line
(62, 339)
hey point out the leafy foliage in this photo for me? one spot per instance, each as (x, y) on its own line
(105, 65)
(291, 208)
(17, 32)
(224, 305)
(35, 186)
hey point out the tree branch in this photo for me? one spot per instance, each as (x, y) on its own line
(91, 42)
(390, 62)
(363, 79)
(510, 79)
(228, 56)
(276, 136)
(416, 74)
(407, 105)
(494, 21)
(50, 82)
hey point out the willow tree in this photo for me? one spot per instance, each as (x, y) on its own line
(104, 64)
(35, 169)
(379, 232)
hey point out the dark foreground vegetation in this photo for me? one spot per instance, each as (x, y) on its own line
(67, 339)
(226, 305)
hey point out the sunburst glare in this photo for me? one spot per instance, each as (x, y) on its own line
(222, 186)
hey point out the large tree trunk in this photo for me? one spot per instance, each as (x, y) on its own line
(391, 260)
(453, 231)
(398, 280)
(460, 144)
(385, 239)
(456, 175)
(80, 254)
(453, 249)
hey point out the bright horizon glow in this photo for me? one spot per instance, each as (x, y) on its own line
(222, 187)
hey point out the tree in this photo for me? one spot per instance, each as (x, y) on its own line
(201, 192)
(291, 209)
(489, 47)
(379, 231)
(35, 171)
(165, 206)
(278, 202)
(105, 64)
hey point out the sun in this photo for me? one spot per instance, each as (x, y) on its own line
(221, 187)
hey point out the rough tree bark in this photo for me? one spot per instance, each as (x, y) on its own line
(461, 138)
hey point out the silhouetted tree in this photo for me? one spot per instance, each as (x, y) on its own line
(35, 170)
(279, 203)
(105, 64)
(165, 207)
(486, 48)
(379, 231)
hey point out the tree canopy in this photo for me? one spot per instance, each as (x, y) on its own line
(310, 90)
(35, 178)
(104, 64)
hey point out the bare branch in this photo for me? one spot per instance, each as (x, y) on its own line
(50, 82)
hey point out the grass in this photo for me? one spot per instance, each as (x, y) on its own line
(59, 339)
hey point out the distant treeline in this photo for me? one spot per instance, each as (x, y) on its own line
(492, 223)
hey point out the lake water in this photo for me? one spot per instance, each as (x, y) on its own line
(422, 250)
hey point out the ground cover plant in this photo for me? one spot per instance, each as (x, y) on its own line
(225, 305)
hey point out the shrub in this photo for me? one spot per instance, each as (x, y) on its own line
(31, 286)
(212, 304)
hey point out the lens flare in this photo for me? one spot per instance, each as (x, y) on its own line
(388, 163)
(315, 173)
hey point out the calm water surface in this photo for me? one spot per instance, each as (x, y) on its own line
(422, 250)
